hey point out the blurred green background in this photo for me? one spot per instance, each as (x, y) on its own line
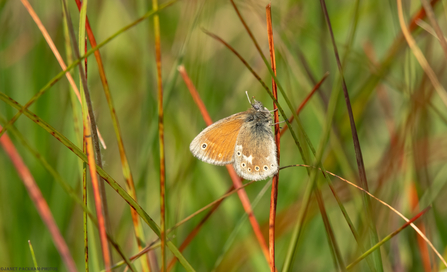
(401, 122)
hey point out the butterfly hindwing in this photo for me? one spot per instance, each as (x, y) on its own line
(255, 152)
(215, 144)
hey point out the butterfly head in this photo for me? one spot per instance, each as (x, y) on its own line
(258, 114)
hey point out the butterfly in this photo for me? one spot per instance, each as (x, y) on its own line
(243, 139)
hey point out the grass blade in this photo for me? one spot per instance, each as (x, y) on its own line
(160, 136)
(32, 254)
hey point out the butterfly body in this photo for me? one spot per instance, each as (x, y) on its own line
(243, 139)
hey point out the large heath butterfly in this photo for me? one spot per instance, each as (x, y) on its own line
(244, 139)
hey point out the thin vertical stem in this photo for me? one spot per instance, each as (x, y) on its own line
(160, 137)
(96, 190)
(85, 218)
(84, 165)
(274, 192)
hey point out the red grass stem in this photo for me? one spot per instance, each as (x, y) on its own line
(274, 192)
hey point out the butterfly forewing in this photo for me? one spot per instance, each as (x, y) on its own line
(216, 143)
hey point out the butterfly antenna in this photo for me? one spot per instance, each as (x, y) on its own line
(246, 92)
(280, 122)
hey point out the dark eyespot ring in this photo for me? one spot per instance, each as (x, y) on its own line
(243, 164)
(257, 168)
(266, 167)
(239, 153)
(204, 146)
(249, 169)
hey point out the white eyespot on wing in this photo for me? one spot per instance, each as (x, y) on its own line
(238, 150)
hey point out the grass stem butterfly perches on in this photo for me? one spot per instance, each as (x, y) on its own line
(243, 139)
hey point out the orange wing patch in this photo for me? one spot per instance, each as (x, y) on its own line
(216, 143)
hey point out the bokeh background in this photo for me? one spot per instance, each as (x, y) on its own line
(401, 121)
